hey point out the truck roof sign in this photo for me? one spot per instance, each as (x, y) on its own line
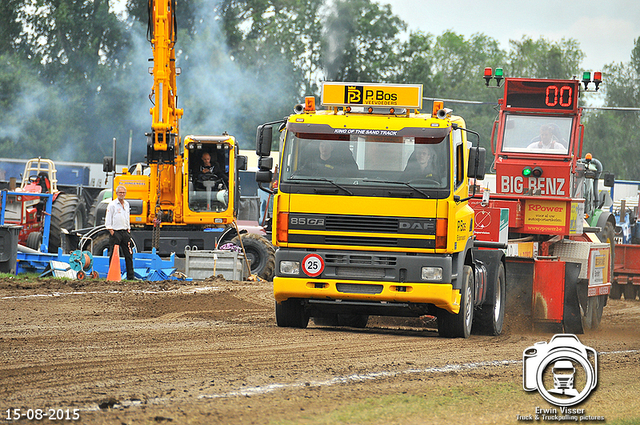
(367, 94)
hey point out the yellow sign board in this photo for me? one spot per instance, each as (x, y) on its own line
(545, 215)
(367, 94)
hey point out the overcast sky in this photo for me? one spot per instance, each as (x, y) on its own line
(605, 29)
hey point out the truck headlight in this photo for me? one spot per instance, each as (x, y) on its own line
(290, 267)
(432, 273)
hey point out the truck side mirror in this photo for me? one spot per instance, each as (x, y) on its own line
(476, 163)
(265, 163)
(264, 176)
(107, 164)
(609, 179)
(263, 140)
(241, 162)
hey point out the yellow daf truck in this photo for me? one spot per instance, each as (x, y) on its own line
(371, 214)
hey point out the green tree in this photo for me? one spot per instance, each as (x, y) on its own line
(543, 58)
(359, 39)
(611, 135)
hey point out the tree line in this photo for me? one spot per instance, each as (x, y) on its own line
(73, 73)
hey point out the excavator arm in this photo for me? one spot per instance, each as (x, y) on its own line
(163, 142)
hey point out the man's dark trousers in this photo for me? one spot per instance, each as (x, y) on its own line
(123, 238)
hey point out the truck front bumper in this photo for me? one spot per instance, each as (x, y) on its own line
(441, 295)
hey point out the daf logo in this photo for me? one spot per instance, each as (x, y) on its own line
(413, 225)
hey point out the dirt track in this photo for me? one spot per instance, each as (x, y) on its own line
(209, 352)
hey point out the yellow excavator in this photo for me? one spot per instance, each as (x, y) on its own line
(179, 200)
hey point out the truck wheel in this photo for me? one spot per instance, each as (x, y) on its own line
(67, 212)
(490, 317)
(100, 243)
(34, 240)
(616, 291)
(260, 252)
(459, 325)
(597, 311)
(586, 314)
(291, 314)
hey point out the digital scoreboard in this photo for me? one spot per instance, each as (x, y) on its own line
(556, 95)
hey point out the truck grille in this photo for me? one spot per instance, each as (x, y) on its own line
(346, 223)
(354, 288)
(323, 229)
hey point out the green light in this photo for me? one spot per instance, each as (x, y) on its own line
(586, 76)
(526, 171)
(499, 73)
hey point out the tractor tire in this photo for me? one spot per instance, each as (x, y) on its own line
(91, 217)
(68, 212)
(100, 243)
(291, 314)
(629, 291)
(489, 318)
(261, 254)
(452, 325)
(34, 240)
(607, 235)
(616, 290)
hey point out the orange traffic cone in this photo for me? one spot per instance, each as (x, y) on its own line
(115, 275)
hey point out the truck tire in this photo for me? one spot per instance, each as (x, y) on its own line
(489, 318)
(459, 325)
(597, 311)
(34, 240)
(260, 252)
(67, 212)
(291, 314)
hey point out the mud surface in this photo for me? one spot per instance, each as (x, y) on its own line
(210, 352)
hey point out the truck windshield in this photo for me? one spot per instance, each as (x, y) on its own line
(363, 160)
(539, 134)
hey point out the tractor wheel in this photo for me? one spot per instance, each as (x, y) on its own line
(629, 291)
(34, 240)
(261, 254)
(607, 235)
(616, 290)
(91, 217)
(100, 243)
(68, 212)
(490, 317)
(291, 314)
(452, 325)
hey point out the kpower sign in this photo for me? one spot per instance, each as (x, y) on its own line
(367, 94)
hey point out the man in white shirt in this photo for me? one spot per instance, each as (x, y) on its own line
(117, 223)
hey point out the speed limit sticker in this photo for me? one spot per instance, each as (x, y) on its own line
(312, 265)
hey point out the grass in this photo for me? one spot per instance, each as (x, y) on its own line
(474, 402)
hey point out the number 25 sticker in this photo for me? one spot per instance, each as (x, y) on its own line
(312, 265)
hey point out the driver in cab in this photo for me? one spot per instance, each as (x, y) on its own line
(209, 171)
(422, 164)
